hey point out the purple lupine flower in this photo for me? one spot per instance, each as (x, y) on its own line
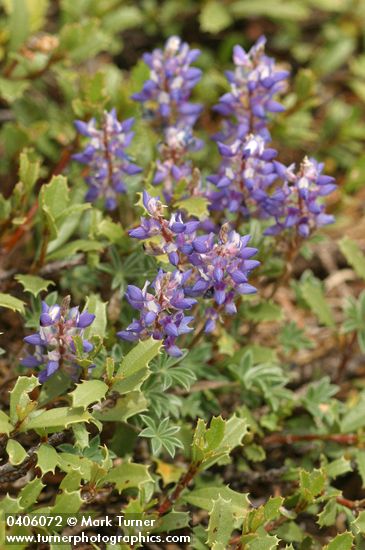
(165, 95)
(54, 343)
(245, 178)
(106, 156)
(303, 209)
(219, 264)
(166, 100)
(223, 268)
(253, 85)
(161, 312)
(176, 235)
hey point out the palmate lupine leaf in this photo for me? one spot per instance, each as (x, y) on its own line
(162, 435)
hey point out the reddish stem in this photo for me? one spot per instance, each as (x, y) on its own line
(167, 504)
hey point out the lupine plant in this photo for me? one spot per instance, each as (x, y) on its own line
(182, 303)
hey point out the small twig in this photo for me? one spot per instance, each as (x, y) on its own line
(13, 239)
(185, 480)
(351, 504)
(8, 472)
(54, 267)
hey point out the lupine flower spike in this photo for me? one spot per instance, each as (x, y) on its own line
(54, 344)
(250, 181)
(210, 267)
(165, 97)
(302, 206)
(161, 313)
(106, 157)
(254, 84)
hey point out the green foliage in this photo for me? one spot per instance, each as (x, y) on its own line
(89, 391)
(312, 292)
(33, 284)
(134, 367)
(352, 252)
(55, 419)
(206, 496)
(253, 435)
(292, 338)
(11, 302)
(128, 475)
(216, 442)
(266, 380)
(221, 524)
(162, 435)
(355, 319)
(341, 542)
(16, 452)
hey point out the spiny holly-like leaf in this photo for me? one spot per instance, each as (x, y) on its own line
(353, 254)
(124, 408)
(211, 444)
(16, 452)
(56, 207)
(134, 367)
(30, 493)
(33, 283)
(195, 206)
(338, 467)
(71, 502)
(47, 458)
(54, 200)
(5, 425)
(341, 542)
(10, 505)
(329, 513)
(257, 517)
(171, 522)
(311, 484)
(221, 524)
(259, 541)
(12, 303)
(20, 403)
(359, 524)
(28, 170)
(128, 475)
(89, 391)
(204, 497)
(272, 507)
(60, 417)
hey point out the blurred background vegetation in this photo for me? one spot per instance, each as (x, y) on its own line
(68, 59)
